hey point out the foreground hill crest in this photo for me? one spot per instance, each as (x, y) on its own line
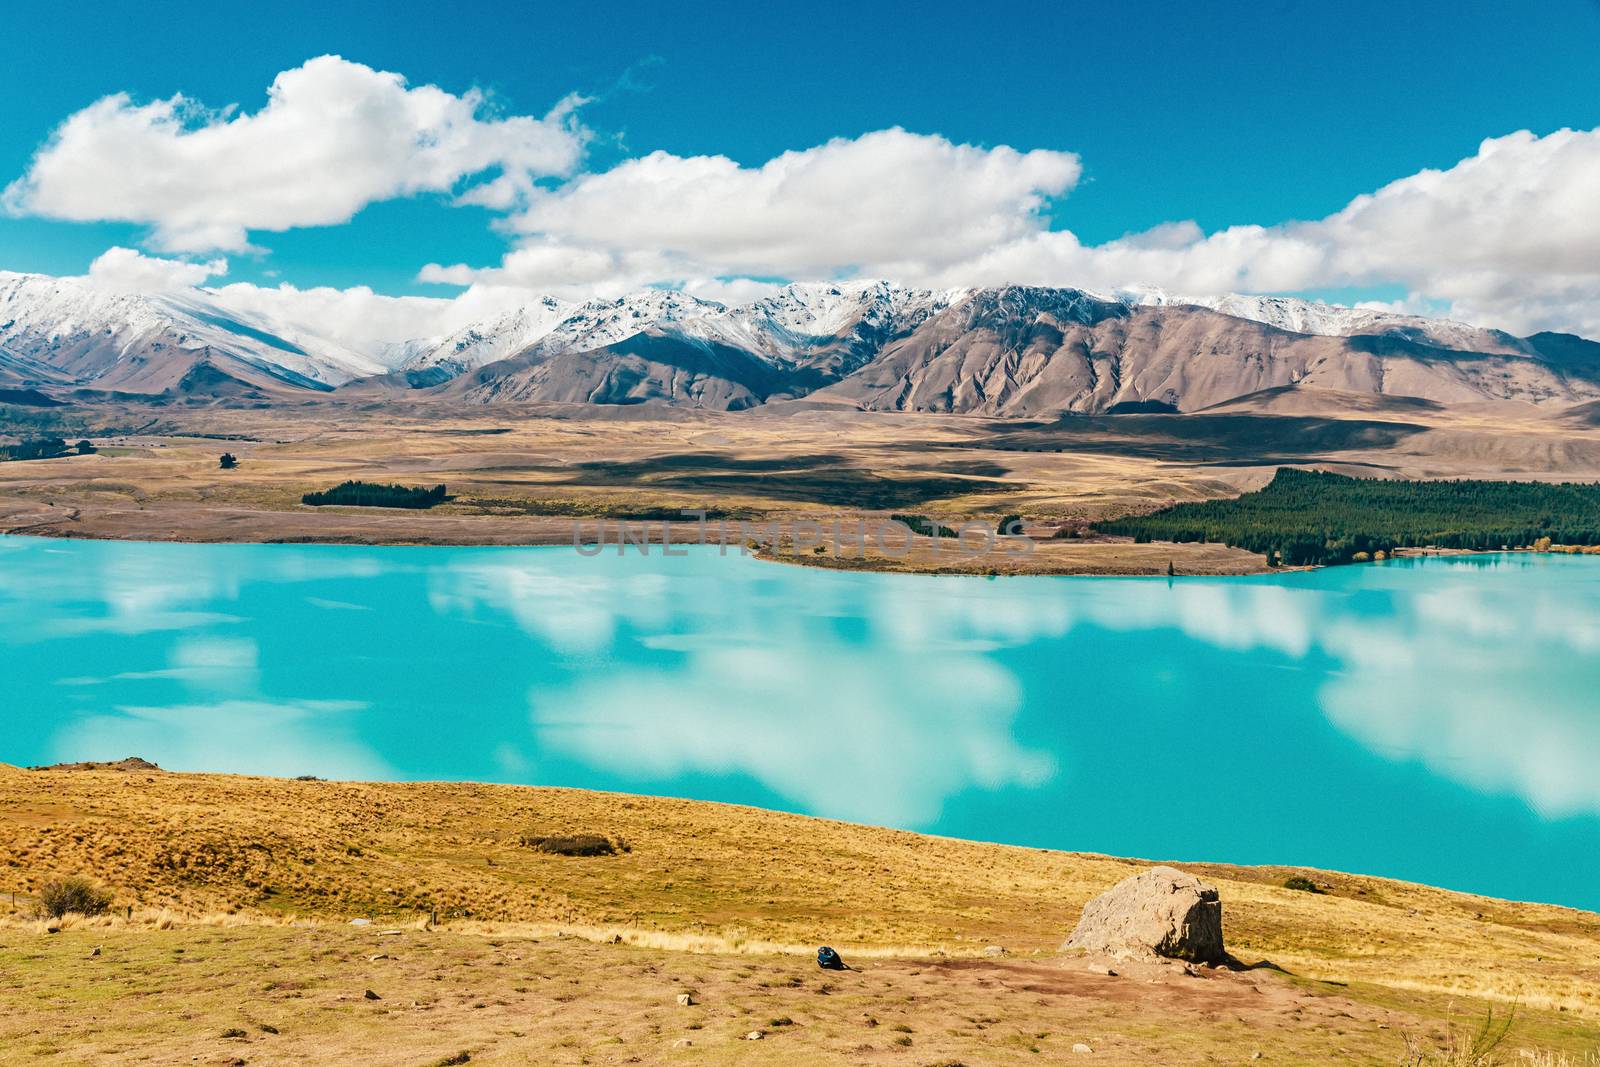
(1006, 351)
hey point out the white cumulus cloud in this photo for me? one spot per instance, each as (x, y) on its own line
(891, 202)
(1505, 237)
(127, 270)
(363, 319)
(333, 137)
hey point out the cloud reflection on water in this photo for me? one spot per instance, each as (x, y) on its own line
(828, 727)
(240, 736)
(1479, 688)
(874, 697)
(1450, 670)
(225, 722)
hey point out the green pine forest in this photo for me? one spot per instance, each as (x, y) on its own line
(372, 495)
(1310, 517)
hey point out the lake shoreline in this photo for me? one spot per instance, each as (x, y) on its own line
(1098, 557)
(161, 522)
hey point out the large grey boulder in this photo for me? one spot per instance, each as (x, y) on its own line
(1160, 912)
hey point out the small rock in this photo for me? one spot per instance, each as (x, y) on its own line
(54, 928)
(683, 1042)
(1081, 1047)
(1097, 968)
(684, 1000)
(370, 995)
(96, 951)
(379, 956)
(755, 1035)
(994, 950)
(360, 922)
(1256, 1055)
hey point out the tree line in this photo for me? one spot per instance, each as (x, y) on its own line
(1310, 517)
(372, 495)
(45, 448)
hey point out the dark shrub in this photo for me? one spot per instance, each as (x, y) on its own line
(573, 844)
(1305, 885)
(921, 524)
(76, 895)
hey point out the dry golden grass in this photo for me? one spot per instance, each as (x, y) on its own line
(280, 994)
(156, 478)
(257, 880)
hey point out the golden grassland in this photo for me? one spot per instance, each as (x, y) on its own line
(524, 476)
(242, 889)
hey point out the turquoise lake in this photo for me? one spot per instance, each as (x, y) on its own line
(1436, 720)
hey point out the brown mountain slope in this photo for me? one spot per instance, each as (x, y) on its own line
(1007, 352)
(174, 373)
(647, 366)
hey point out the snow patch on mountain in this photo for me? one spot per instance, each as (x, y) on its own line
(480, 343)
(1324, 320)
(55, 330)
(92, 328)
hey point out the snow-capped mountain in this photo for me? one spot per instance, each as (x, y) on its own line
(839, 325)
(86, 334)
(849, 321)
(788, 327)
(1032, 352)
(1331, 320)
(481, 342)
(598, 323)
(1006, 350)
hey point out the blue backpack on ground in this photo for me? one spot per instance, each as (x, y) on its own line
(829, 960)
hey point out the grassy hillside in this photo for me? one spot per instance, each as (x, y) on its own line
(216, 866)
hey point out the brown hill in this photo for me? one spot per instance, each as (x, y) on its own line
(240, 943)
(649, 366)
(1018, 352)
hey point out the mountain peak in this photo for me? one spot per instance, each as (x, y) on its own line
(806, 337)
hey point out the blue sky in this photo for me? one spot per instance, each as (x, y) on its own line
(1216, 113)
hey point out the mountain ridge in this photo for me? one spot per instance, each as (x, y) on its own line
(1003, 351)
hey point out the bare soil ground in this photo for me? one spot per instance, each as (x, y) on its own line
(239, 945)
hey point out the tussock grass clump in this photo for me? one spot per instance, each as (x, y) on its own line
(573, 844)
(1480, 1047)
(73, 895)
